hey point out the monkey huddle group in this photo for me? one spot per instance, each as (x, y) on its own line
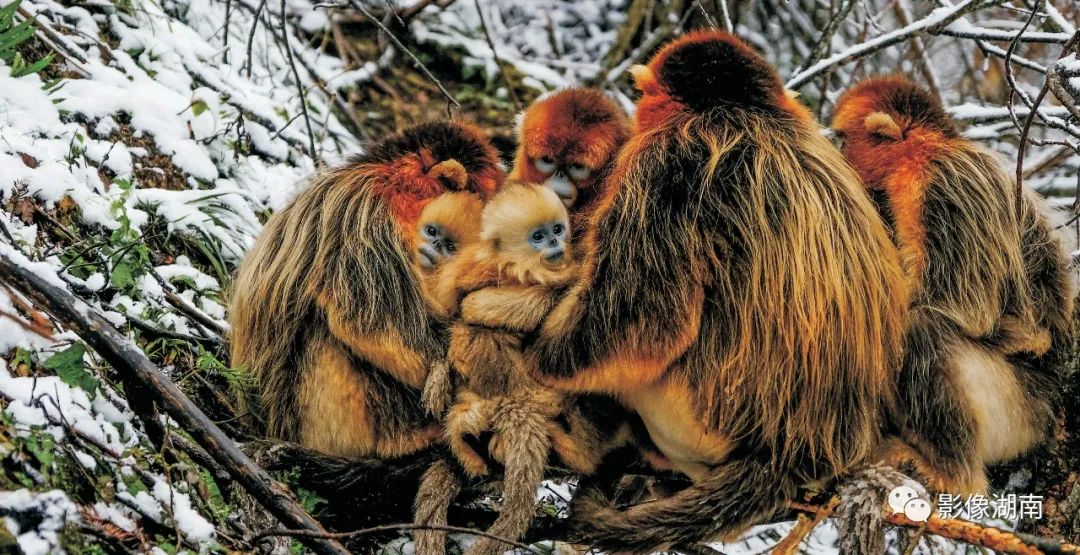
(714, 286)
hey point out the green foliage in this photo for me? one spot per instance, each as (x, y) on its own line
(41, 445)
(68, 364)
(11, 36)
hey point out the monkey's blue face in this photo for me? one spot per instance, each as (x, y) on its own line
(435, 245)
(549, 240)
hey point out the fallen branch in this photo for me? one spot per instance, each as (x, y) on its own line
(972, 533)
(806, 522)
(133, 366)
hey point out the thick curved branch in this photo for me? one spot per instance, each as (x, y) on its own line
(134, 368)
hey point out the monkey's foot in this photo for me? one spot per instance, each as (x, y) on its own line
(957, 479)
(438, 390)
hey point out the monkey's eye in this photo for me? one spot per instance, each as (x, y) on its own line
(430, 230)
(578, 171)
(545, 164)
(451, 247)
(558, 229)
(537, 236)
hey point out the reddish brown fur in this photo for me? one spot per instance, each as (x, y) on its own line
(572, 126)
(991, 296)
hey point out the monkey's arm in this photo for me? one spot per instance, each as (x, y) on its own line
(514, 308)
(610, 333)
(384, 349)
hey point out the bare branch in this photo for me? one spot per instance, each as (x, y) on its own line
(937, 21)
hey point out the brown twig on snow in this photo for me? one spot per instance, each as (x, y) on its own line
(803, 526)
(136, 369)
(388, 528)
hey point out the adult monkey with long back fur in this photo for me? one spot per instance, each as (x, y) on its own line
(327, 310)
(991, 292)
(741, 295)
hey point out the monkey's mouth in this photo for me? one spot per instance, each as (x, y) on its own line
(564, 189)
(555, 257)
(427, 257)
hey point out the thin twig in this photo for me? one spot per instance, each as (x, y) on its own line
(884, 41)
(299, 84)
(803, 526)
(495, 55)
(927, 68)
(251, 34)
(708, 18)
(389, 528)
(727, 16)
(397, 42)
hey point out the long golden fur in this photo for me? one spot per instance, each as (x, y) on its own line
(991, 299)
(739, 292)
(327, 310)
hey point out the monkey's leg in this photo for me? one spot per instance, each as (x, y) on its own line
(728, 499)
(932, 412)
(438, 488)
(526, 455)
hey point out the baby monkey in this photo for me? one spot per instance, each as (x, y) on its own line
(523, 242)
(447, 224)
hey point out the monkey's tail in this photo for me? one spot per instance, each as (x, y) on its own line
(439, 486)
(359, 492)
(525, 437)
(734, 496)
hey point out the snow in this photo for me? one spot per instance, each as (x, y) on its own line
(53, 508)
(41, 400)
(190, 522)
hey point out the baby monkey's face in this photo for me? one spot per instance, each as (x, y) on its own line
(446, 225)
(549, 241)
(436, 244)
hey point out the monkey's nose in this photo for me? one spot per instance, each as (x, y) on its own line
(427, 256)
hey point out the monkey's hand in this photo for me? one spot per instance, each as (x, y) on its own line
(517, 309)
(438, 389)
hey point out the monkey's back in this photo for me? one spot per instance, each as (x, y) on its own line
(334, 248)
(801, 328)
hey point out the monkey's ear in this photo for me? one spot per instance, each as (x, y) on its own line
(450, 173)
(645, 79)
(883, 125)
(519, 123)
